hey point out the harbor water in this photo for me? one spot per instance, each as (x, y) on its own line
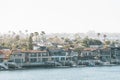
(81, 73)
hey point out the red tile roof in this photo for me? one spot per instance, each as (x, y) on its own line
(90, 49)
(29, 51)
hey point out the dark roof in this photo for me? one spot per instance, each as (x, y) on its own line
(56, 50)
(118, 48)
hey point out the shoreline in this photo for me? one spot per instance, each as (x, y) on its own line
(57, 67)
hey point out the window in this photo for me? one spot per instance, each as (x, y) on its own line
(18, 60)
(62, 59)
(33, 60)
(1, 60)
(56, 59)
(44, 59)
(44, 54)
(52, 58)
(19, 55)
(33, 55)
(40, 60)
(39, 54)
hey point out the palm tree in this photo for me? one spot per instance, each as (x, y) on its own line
(36, 33)
(20, 32)
(36, 36)
(9, 33)
(104, 36)
(43, 36)
(13, 33)
(26, 31)
(42, 32)
(98, 34)
(31, 34)
(30, 45)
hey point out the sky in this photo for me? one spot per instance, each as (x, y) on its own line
(58, 16)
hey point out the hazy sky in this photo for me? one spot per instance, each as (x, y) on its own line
(60, 15)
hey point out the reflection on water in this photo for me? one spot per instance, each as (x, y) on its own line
(83, 73)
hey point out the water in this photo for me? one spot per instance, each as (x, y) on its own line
(83, 73)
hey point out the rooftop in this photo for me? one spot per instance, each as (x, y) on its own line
(90, 49)
(28, 51)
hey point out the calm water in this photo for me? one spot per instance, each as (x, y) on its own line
(84, 73)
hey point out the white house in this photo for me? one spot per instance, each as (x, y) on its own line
(30, 58)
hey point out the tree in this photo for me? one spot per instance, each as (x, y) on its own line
(42, 33)
(36, 33)
(26, 31)
(107, 42)
(98, 34)
(43, 36)
(31, 34)
(13, 34)
(94, 42)
(36, 36)
(30, 45)
(17, 37)
(20, 32)
(104, 36)
(85, 42)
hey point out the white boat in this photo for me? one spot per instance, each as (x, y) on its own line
(3, 66)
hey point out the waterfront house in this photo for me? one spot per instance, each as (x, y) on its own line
(57, 55)
(30, 58)
(62, 57)
(115, 54)
(72, 55)
(105, 54)
(89, 55)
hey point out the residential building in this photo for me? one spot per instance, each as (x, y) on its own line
(30, 58)
(115, 54)
(89, 56)
(58, 55)
(105, 54)
(90, 53)
(63, 58)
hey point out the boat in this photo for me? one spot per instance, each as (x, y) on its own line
(3, 66)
